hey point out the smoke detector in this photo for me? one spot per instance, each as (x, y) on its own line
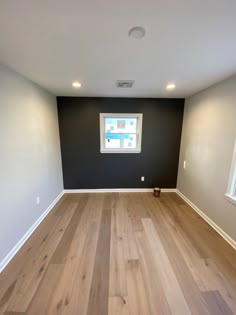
(137, 32)
(125, 84)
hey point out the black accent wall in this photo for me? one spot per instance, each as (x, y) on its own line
(84, 167)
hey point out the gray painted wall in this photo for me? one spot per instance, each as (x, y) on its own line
(30, 159)
(208, 138)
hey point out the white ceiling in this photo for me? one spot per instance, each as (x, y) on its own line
(53, 42)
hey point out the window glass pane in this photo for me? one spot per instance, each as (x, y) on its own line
(120, 133)
(130, 141)
(112, 141)
(121, 125)
(120, 141)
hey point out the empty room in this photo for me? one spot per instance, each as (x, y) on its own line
(117, 157)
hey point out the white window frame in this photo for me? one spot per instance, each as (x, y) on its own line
(230, 195)
(139, 117)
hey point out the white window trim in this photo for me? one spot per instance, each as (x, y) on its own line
(120, 115)
(232, 178)
(230, 198)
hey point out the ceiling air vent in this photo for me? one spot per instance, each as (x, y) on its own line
(125, 84)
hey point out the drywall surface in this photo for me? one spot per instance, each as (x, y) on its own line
(30, 159)
(85, 167)
(208, 138)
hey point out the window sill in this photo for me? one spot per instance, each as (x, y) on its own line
(230, 198)
(120, 151)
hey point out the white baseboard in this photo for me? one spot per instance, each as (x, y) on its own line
(168, 190)
(208, 220)
(21, 242)
(110, 190)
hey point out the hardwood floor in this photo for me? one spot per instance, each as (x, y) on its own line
(121, 253)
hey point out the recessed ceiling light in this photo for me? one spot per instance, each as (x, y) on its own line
(137, 32)
(76, 84)
(171, 86)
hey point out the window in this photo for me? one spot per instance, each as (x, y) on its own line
(120, 133)
(231, 191)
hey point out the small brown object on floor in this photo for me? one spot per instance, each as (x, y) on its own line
(157, 192)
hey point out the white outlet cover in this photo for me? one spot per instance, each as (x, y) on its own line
(184, 166)
(37, 200)
(142, 178)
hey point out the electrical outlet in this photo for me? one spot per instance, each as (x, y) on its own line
(184, 165)
(37, 200)
(142, 178)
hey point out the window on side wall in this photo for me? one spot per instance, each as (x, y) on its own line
(231, 191)
(120, 133)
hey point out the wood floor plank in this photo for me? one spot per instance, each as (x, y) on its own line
(137, 295)
(205, 273)
(14, 313)
(156, 296)
(208, 275)
(121, 254)
(64, 290)
(77, 302)
(28, 250)
(197, 265)
(171, 287)
(129, 243)
(214, 242)
(6, 296)
(216, 303)
(176, 213)
(99, 292)
(117, 272)
(34, 270)
(137, 211)
(43, 296)
(118, 305)
(225, 287)
(186, 281)
(61, 252)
